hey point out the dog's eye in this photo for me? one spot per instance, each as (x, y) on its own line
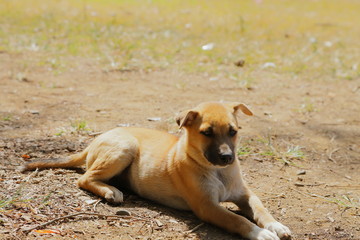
(208, 132)
(232, 132)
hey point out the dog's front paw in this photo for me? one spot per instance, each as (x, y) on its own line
(282, 231)
(262, 234)
(114, 196)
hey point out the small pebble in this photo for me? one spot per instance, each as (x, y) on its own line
(34, 112)
(90, 201)
(301, 172)
(123, 213)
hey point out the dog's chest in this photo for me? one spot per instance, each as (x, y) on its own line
(220, 185)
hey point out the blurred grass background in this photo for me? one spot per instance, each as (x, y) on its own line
(313, 39)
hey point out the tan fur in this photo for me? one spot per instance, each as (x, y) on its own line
(178, 172)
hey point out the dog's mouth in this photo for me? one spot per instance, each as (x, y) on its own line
(227, 159)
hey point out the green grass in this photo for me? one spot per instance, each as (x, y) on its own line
(265, 147)
(80, 126)
(7, 118)
(16, 198)
(60, 133)
(294, 152)
(307, 107)
(299, 37)
(244, 151)
(344, 201)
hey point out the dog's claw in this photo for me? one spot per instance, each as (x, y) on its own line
(280, 230)
(114, 196)
(285, 237)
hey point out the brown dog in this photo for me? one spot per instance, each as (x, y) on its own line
(194, 172)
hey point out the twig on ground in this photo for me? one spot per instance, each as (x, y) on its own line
(16, 237)
(141, 227)
(339, 202)
(95, 133)
(331, 153)
(307, 184)
(34, 173)
(341, 175)
(195, 228)
(95, 205)
(73, 215)
(345, 209)
(345, 186)
(281, 195)
(302, 193)
(152, 227)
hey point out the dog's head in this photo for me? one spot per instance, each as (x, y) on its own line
(212, 131)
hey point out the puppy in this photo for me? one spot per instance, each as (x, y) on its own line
(193, 172)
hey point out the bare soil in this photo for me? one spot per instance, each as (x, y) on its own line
(316, 195)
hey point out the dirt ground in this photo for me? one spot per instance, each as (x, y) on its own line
(302, 161)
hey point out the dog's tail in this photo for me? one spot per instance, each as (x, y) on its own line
(74, 160)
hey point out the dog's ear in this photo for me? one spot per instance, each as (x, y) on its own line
(186, 118)
(242, 107)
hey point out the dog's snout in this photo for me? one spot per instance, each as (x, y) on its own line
(224, 149)
(220, 154)
(225, 154)
(226, 157)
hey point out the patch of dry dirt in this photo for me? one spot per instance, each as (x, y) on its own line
(317, 195)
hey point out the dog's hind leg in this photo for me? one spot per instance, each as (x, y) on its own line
(109, 162)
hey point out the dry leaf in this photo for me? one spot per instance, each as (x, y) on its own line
(154, 119)
(47, 231)
(25, 156)
(160, 224)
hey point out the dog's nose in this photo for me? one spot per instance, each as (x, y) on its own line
(226, 158)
